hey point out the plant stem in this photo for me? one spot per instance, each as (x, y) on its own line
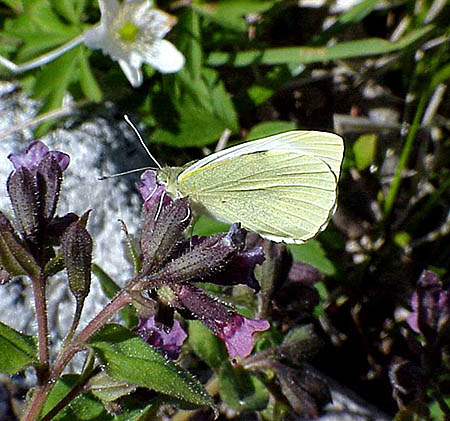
(44, 59)
(39, 291)
(122, 299)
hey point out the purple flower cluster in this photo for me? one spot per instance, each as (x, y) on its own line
(171, 265)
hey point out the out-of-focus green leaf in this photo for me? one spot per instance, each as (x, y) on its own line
(188, 28)
(16, 350)
(87, 80)
(305, 55)
(207, 226)
(364, 149)
(313, 254)
(41, 13)
(110, 289)
(240, 390)
(66, 8)
(207, 346)
(231, 13)
(16, 5)
(85, 407)
(53, 82)
(268, 128)
(259, 94)
(128, 358)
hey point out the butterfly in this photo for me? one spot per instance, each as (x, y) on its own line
(283, 187)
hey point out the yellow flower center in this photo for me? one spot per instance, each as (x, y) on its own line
(128, 31)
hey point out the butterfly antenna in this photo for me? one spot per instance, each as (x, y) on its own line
(127, 119)
(105, 177)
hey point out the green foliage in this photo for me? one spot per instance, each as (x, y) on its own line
(17, 350)
(313, 253)
(128, 358)
(84, 407)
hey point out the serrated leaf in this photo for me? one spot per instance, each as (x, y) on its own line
(16, 350)
(206, 346)
(305, 55)
(313, 254)
(268, 128)
(85, 407)
(110, 289)
(128, 358)
(240, 390)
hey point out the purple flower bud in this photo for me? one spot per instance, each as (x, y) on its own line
(156, 335)
(34, 188)
(235, 330)
(34, 154)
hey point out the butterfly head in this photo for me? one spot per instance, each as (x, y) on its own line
(168, 177)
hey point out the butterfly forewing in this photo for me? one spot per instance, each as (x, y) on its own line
(284, 196)
(328, 147)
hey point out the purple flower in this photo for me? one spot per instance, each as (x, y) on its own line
(235, 330)
(34, 155)
(150, 191)
(156, 334)
(171, 264)
(34, 188)
(431, 307)
(238, 334)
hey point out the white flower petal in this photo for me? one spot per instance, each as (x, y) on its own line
(133, 74)
(164, 56)
(156, 23)
(108, 9)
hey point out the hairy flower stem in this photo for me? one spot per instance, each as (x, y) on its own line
(122, 299)
(39, 291)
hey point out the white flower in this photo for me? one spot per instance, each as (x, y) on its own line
(132, 33)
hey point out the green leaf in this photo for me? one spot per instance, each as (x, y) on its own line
(107, 389)
(231, 14)
(305, 55)
(110, 289)
(313, 254)
(194, 108)
(88, 83)
(259, 94)
(16, 5)
(206, 346)
(205, 226)
(65, 8)
(128, 358)
(198, 112)
(16, 350)
(53, 82)
(85, 407)
(240, 390)
(268, 128)
(364, 149)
